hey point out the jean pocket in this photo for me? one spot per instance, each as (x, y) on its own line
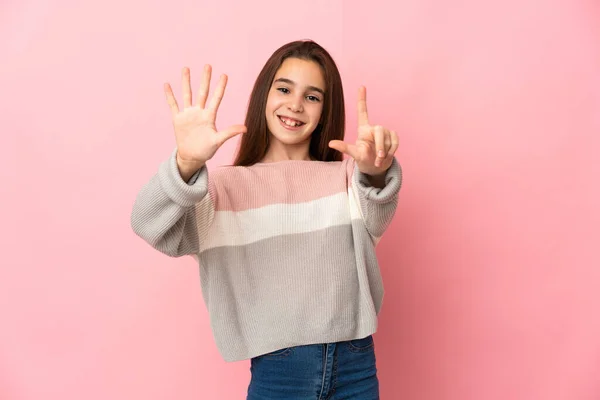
(364, 344)
(278, 353)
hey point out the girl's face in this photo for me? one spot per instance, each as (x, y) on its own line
(295, 101)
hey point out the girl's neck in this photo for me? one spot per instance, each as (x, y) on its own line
(286, 153)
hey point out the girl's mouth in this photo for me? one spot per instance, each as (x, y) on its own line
(290, 123)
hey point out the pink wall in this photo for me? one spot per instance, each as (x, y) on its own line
(491, 266)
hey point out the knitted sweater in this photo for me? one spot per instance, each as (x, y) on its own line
(286, 250)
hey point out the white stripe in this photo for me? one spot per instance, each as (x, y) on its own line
(355, 210)
(204, 217)
(238, 228)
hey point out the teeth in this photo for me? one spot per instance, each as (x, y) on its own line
(290, 123)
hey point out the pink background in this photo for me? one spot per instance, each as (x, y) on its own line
(492, 267)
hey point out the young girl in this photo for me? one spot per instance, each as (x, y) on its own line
(285, 238)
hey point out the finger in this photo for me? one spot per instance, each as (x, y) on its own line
(230, 132)
(344, 147)
(186, 88)
(204, 86)
(380, 152)
(218, 94)
(363, 118)
(387, 143)
(171, 99)
(394, 144)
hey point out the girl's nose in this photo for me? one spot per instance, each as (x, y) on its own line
(295, 106)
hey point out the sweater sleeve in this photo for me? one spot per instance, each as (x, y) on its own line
(377, 205)
(170, 214)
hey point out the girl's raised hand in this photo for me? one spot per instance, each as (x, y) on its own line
(195, 132)
(375, 145)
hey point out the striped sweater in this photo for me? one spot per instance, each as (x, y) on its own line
(286, 250)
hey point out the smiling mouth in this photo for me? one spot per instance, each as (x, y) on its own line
(292, 123)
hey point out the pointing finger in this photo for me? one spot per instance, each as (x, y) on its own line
(363, 118)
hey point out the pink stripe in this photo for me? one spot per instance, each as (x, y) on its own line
(243, 188)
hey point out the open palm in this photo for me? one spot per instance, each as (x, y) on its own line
(195, 130)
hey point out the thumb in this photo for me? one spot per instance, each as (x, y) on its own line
(230, 132)
(344, 147)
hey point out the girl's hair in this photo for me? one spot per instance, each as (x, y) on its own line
(254, 143)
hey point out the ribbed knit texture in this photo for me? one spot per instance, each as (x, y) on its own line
(286, 250)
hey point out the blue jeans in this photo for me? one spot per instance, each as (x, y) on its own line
(331, 371)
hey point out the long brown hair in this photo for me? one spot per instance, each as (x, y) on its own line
(254, 143)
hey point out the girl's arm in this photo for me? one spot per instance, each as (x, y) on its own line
(376, 176)
(377, 204)
(169, 213)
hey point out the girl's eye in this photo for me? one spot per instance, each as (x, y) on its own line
(311, 98)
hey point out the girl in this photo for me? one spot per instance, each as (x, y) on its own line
(285, 238)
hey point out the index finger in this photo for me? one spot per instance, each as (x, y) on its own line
(218, 94)
(363, 118)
